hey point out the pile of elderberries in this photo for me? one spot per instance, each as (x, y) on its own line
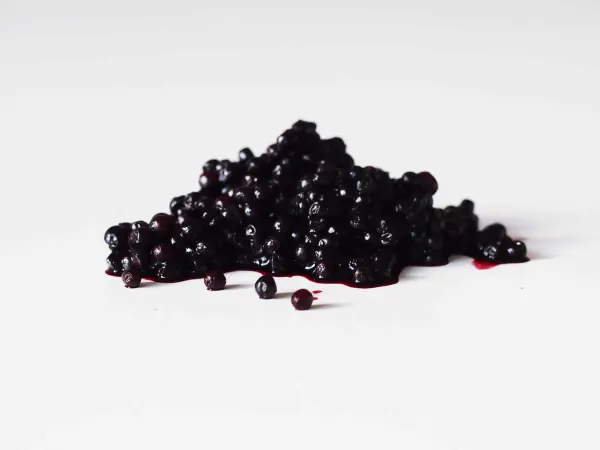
(304, 208)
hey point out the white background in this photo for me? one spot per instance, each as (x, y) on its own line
(108, 109)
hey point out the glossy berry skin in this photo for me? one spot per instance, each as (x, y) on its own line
(215, 280)
(209, 181)
(176, 205)
(246, 155)
(305, 208)
(162, 252)
(266, 287)
(168, 272)
(302, 300)
(271, 245)
(427, 182)
(131, 279)
(162, 224)
(128, 264)
(210, 165)
(114, 263)
(521, 250)
(139, 224)
(363, 276)
(116, 237)
(140, 239)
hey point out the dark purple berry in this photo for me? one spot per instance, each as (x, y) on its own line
(127, 264)
(162, 252)
(363, 275)
(116, 237)
(210, 165)
(209, 181)
(521, 250)
(140, 239)
(131, 279)
(176, 205)
(467, 206)
(139, 224)
(266, 287)
(325, 271)
(223, 202)
(302, 253)
(215, 280)
(114, 263)
(243, 195)
(205, 249)
(246, 155)
(427, 182)
(169, 272)
(271, 245)
(302, 300)
(162, 224)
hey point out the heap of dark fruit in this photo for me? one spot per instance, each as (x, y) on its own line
(305, 208)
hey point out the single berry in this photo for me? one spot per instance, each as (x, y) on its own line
(162, 252)
(210, 165)
(169, 272)
(325, 270)
(116, 237)
(363, 275)
(302, 300)
(209, 181)
(127, 263)
(131, 279)
(266, 287)
(427, 182)
(114, 263)
(467, 206)
(271, 245)
(162, 224)
(139, 224)
(176, 205)
(246, 155)
(140, 239)
(215, 280)
(521, 250)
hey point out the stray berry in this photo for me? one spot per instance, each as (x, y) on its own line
(302, 299)
(215, 280)
(131, 279)
(266, 287)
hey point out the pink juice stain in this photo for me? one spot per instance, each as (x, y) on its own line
(483, 265)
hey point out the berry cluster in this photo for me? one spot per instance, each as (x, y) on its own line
(304, 208)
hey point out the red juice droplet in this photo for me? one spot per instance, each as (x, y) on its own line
(315, 298)
(317, 292)
(483, 265)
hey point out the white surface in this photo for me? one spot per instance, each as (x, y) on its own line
(108, 110)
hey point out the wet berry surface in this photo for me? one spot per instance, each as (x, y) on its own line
(302, 300)
(305, 208)
(215, 280)
(266, 287)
